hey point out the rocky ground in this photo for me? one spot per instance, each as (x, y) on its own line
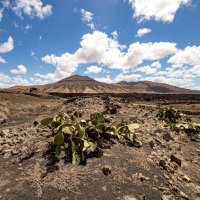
(166, 167)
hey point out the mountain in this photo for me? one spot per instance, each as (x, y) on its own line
(84, 84)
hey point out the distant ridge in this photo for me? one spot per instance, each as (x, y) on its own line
(85, 84)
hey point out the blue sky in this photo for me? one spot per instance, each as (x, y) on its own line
(108, 40)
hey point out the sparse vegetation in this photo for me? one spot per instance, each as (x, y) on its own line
(152, 170)
(81, 139)
(169, 115)
(178, 122)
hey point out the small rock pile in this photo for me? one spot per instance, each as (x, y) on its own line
(110, 107)
(22, 142)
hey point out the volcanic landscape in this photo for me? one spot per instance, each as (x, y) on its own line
(164, 164)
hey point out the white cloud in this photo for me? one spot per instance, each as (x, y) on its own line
(87, 17)
(93, 70)
(184, 72)
(184, 76)
(139, 52)
(189, 56)
(127, 77)
(149, 69)
(142, 32)
(7, 81)
(179, 82)
(119, 77)
(43, 79)
(158, 10)
(115, 35)
(40, 37)
(18, 80)
(7, 46)
(108, 52)
(4, 79)
(65, 64)
(185, 68)
(2, 60)
(102, 51)
(32, 8)
(21, 69)
(91, 25)
(106, 79)
(156, 65)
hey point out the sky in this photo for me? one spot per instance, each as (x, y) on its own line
(108, 40)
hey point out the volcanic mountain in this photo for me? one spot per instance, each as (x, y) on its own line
(84, 84)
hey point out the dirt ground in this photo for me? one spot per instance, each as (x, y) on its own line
(29, 171)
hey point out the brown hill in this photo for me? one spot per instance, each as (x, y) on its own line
(84, 84)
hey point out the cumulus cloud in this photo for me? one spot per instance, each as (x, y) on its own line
(93, 70)
(183, 72)
(7, 81)
(65, 64)
(149, 69)
(127, 77)
(4, 79)
(7, 46)
(139, 52)
(142, 32)
(32, 8)
(179, 82)
(184, 69)
(156, 65)
(87, 17)
(157, 10)
(106, 79)
(47, 78)
(108, 52)
(20, 70)
(190, 56)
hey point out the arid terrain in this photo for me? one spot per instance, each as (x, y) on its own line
(166, 167)
(87, 85)
(100, 100)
